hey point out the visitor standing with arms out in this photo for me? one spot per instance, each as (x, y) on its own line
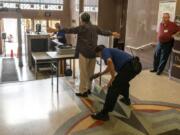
(87, 36)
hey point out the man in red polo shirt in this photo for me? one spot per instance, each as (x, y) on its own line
(165, 43)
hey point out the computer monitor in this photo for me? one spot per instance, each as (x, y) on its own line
(38, 28)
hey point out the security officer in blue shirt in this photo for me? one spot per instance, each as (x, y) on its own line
(126, 67)
(59, 35)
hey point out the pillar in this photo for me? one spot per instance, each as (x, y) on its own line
(1, 43)
(19, 40)
(81, 6)
(178, 7)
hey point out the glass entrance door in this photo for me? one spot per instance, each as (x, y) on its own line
(11, 42)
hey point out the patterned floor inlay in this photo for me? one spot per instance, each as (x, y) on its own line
(172, 132)
(34, 108)
(141, 118)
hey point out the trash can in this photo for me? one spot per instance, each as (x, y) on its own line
(175, 66)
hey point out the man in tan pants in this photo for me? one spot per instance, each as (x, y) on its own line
(87, 67)
(87, 36)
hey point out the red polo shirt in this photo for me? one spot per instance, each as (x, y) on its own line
(166, 31)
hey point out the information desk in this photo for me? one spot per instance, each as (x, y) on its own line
(58, 58)
(175, 66)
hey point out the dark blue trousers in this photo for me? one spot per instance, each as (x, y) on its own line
(119, 86)
(161, 55)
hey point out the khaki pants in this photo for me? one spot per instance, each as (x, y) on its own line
(87, 67)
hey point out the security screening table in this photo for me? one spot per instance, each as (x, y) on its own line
(55, 56)
(40, 58)
(52, 58)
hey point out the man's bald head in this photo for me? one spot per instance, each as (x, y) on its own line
(58, 26)
(84, 18)
(166, 17)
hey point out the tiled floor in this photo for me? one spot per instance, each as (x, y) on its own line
(32, 108)
(150, 87)
(154, 116)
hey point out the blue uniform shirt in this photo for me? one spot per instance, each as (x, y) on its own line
(118, 57)
(61, 37)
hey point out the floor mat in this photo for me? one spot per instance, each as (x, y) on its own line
(9, 72)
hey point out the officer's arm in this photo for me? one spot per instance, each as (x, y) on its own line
(51, 30)
(109, 69)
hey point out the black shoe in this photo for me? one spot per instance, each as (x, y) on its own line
(100, 116)
(126, 101)
(153, 70)
(85, 94)
(89, 92)
(158, 73)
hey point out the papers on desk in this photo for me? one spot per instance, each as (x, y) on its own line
(63, 50)
(55, 55)
(57, 42)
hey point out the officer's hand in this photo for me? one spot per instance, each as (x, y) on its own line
(94, 76)
(110, 82)
(50, 30)
(104, 87)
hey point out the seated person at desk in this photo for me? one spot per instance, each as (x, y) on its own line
(60, 36)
